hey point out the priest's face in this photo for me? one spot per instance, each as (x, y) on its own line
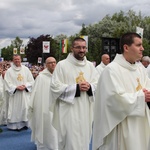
(79, 49)
(17, 61)
(134, 51)
(51, 64)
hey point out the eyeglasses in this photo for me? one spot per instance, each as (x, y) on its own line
(80, 47)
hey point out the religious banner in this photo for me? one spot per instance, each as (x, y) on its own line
(39, 60)
(46, 46)
(15, 51)
(139, 31)
(22, 50)
(64, 45)
(86, 39)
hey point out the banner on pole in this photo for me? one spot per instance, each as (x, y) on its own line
(39, 60)
(46, 46)
(64, 45)
(22, 50)
(139, 31)
(86, 39)
(15, 51)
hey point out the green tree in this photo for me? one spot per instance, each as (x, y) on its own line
(114, 26)
(7, 52)
(17, 43)
(110, 26)
(83, 30)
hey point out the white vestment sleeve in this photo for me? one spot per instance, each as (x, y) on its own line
(29, 87)
(69, 94)
(139, 109)
(29, 84)
(11, 89)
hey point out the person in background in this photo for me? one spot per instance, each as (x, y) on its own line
(3, 94)
(40, 118)
(4, 99)
(145, 61)
(18, 82)
(105, 60)
(73, 87)
(1, 99)
(121, 117)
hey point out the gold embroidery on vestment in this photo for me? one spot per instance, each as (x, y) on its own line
(139, 87)
(20, 77)
(80, 78)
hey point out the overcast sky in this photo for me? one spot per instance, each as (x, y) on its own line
(32, 18)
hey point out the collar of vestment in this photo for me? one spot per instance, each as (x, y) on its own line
(16, 68)
(46, 72)
(76, 62)
(102, 64)
(122, 61)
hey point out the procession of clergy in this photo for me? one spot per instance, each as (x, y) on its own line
(70, 103)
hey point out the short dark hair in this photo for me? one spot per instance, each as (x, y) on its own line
(77, 39)
(128, 39)
(16, 55)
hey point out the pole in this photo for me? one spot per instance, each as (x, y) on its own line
(43, 59)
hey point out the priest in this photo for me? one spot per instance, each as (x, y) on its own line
(40, 118)
(18, 84)
(73, 89)
(122, 117)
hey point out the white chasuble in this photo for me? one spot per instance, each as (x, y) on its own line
(40, 118)
(122, 117)
(73, 116)
(18, 100)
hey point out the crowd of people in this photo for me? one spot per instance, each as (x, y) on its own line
(35, 69)
(67, 104)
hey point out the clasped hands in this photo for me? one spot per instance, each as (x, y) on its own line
(84, 86)
(147, 95)
(21, 87)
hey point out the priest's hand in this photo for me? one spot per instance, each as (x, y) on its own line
(84, 86)
(147, 95)
(21, 87)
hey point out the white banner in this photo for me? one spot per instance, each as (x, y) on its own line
(39, 60)
(46, 46)
(15, 51)
(22, 50)
(86, 39)
(139, 31)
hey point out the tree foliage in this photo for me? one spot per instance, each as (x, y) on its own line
(17, 43)
(110, 26)
(7, 52)
(114, 26)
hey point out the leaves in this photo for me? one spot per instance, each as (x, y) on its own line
(110, 26)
